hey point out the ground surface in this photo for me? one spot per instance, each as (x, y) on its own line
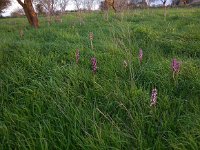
(47, 101)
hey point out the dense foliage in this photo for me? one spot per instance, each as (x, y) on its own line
(49, 100)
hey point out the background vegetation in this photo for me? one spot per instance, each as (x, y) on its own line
(50, 102)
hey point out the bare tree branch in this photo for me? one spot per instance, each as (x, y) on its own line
(20, 2)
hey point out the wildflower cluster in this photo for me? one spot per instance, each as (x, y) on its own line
(175, 68)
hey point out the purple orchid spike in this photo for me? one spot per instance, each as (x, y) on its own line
(175, 66)
(77, 56)
(94, 64)
(154, 97)
(140, 55)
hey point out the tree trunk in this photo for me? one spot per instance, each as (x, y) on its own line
(30, 12)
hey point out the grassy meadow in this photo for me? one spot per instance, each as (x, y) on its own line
(48, 101)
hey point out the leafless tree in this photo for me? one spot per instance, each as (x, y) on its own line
(17, 12)
(163, 2)
(63, 4)
(4, 4)
(164, 6)
(50, 7)
(88, 4)
(121, 4)
(29, 12)
(40, 9)
(110, 3)
(78, 4)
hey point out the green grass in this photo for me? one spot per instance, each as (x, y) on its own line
(47, 101)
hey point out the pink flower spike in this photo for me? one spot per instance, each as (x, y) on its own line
(77, 56)
(140, 55)
(154, 97)
(94, 64)
(175, 66)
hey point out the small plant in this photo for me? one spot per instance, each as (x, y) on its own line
(77, 56)
(154, 97)
(140, 55)
(91, 36)
(94, 64)
(175, 67)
